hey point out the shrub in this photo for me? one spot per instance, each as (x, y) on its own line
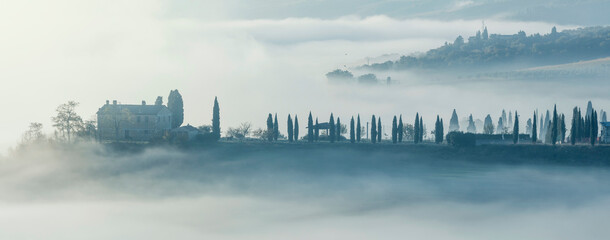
(460, 139)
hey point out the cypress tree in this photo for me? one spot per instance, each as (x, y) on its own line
(270, 127)
(594, 127)
(290, 128)
(216, 120)
(554, 125)
(437, 129)
(176, 106)
(562, 128)
(310, 128)
(421, 129)
(373, 129)
(338, 132)
(296, 128)
(416, 129)
(331, 128)
(535, 128)
(394, 130)
(317, 131)
(454, 124)
(574, 126)
(400, 129)
(581, 126)
(587, 129)
(276, 129)
(516, 129)
(358, 128)
(442, 131)
(379, 132)
(352, 133)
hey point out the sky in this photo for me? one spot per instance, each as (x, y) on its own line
(258, 57)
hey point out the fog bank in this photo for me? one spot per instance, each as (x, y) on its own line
(91, 192)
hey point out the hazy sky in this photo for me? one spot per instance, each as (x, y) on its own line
(256, 56)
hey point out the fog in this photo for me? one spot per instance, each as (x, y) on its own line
(87, 191)
(72, 50)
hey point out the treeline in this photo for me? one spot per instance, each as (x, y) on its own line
(487, 50)
(334, 131)
(549, 129)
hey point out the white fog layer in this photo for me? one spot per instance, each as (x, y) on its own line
(228, 193)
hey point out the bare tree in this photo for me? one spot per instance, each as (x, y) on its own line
(33, 134)
(88, 130)
(240, 132)
(67, 121)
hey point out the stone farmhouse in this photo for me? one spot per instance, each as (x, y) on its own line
(132, 122)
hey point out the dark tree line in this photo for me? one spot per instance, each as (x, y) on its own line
(584, 128)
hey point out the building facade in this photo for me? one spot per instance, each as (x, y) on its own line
(132, 122)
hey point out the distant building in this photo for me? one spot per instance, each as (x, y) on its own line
(126, 122)
(185, 133)
(605, 137)
(322, 126)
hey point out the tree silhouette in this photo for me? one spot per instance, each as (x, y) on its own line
(296, 128)
(310, 134)
(516, 129)
(535, 128)
(270, 127)
(290, 128)
(176, 106)
(373, 129)
(379, 132)
(216, 119)
(332, 128)
(67, 121)
(554, 126)
(421, 129)
(338, 131)
(454, 123)
(317, 131)
(594, 127)
(400, 129)
(358, 131)
(416, 129)
(394, 130)
(352, 133)
(276, 129)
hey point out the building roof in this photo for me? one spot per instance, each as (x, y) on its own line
(134, 108)
(187, 128)
(605, 124)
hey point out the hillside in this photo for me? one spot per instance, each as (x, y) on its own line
(515, 51)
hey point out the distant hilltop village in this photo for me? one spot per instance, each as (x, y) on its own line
(488, 53)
